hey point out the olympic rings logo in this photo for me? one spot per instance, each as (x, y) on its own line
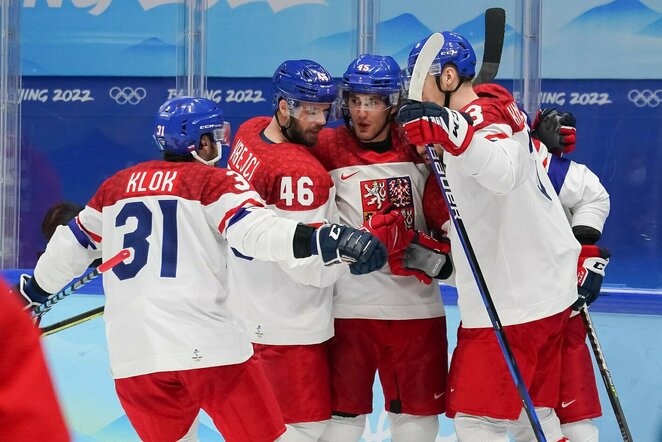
(123, 95)
(646, 97)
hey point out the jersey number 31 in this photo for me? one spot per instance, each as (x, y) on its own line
(138, 238)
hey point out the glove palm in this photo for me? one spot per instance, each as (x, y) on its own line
(425, 258)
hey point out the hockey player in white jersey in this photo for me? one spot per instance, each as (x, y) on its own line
(521, 240)
(586, 203)
(174, 345)
(387, 322)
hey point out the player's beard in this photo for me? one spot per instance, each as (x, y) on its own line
(298, 135)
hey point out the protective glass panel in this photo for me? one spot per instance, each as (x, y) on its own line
(95, 72)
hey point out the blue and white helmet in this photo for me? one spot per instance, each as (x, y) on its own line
(181, 121)
(298, 81)
(374, 75)
(456, 50)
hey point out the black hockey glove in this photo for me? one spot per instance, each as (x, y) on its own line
(337, 243)
(556, 130)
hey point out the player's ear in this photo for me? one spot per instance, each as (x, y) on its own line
(201, 144)
(283, 109)
(449, 74)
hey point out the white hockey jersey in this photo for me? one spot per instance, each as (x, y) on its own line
(167, 305)
(516, 225)
(582, 195)
(366, 181)
(290, 302)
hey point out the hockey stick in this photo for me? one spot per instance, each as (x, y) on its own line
(495, 29)
(70, 322)
(425, 58)
(606, 375)
(105, 266)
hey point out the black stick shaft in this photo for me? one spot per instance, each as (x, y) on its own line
(495, 29)
(70, 322)
(606, 375)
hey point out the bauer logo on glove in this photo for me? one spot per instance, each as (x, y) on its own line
(429, 123)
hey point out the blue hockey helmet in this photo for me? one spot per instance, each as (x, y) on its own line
(372, 74)
(181, 121)
(375, 75)
(302, 81)
(456, 50)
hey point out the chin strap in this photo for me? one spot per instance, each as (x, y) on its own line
(207, 162)
(447, 94)
(194, 154)
(284, 128)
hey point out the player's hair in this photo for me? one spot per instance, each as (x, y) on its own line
(58, 214)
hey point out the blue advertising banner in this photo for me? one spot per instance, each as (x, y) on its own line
(618, 138)
(77, 131)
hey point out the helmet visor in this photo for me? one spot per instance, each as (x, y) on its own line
(222, 135)
(405, 76)
(313, 112)
(359, 101)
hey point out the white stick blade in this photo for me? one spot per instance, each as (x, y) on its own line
(425, 58)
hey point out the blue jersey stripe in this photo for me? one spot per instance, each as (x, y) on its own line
(242, 212)
(557, 171)
(80, 236)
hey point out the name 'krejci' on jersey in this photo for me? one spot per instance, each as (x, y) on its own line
(289, 303)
